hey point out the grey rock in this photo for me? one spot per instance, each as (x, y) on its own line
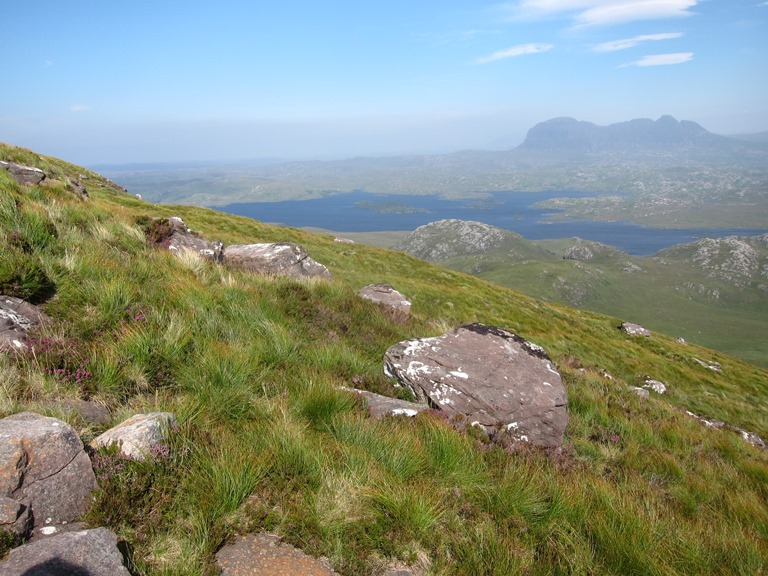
(78, 187)
(642, 392)
(711, 365)
(494, 378)
(279, 259)
(182, 238)
(386, 295)
(634, 329)
(752, 438)
(17, 317)
(23, 174)
(655, 385)
(42, 462)
(380, 406)
(137, 435)
(81, 553)
(15, 516)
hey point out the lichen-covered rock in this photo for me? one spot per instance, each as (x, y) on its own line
(42, 463)
(634, 329)
(279, 259)
(655, 385)
(23, 174)
(493, 377)
(380, 406)
(80, 553)
(17, 317)
(137, 435)
(386, 295)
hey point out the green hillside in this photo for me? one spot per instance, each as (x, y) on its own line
(251, 366)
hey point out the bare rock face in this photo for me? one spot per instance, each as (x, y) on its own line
(43, 465)
(137, 435)
(23, 174)
(634, 329)
(493, 377)
(386, 295)
(279, 259)
(81, 553)
(17, 317)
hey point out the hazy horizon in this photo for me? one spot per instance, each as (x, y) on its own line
(103, 83)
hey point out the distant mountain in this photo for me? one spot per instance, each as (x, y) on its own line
(760, 137)
(566, 136)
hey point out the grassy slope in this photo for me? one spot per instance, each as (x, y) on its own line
(250, 366)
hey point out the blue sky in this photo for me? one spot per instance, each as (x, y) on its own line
(165, 80)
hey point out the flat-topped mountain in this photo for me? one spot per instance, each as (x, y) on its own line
(560, 136)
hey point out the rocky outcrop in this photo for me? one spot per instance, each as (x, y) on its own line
(386, 295)
(43, 466)
(380, 406)
(23, 174)
(178, 237)
(265, 554)
(80, 553)
(279, 259)
(17, 317)
(494, 378)
(634, 329)
(137, 435)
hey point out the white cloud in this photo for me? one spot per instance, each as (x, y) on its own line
(634, 41)
(662, 59)
(514, 51)
(601, 12)
(79, 108)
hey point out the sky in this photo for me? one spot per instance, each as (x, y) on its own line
(95, 81)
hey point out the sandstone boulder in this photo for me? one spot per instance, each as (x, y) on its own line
(386, 295)
(634, 329)
(17, 317)
(81, 553)
(493, 377)
(43, 465)
(137, 435)
(23, 174)
(279, 259)
(380, 406)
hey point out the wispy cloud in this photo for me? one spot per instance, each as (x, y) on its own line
(514, 51)
(661, 59)
(600, 12)
(79, 108)
(634, 41)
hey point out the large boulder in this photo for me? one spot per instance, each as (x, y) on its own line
(494, 378)
(17, 317)
(137, 436)
(43, 466)
(279, 259)
(78, 553)
(386, 295)
(23, 174)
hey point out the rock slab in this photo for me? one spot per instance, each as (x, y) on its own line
(386, 295)
(43, 465)
(17, 317)
(493, 377)
(23, 174)
(380, 406)
(137, 435)
(265, 555)
(278, 259)
(82, 553)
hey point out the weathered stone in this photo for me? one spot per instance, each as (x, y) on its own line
(78, 187)
(182, 238)
(17, 317)
(265, 555)
(23, 174)
(711, 365)
(386, 295)
(137, 435)
(280, 259)
(82, 553)
(42, 462)
(634, 329)
(752, 438)
(642, 392)
(493, 377)
(655, 385)
(380, 406)
(15, 516)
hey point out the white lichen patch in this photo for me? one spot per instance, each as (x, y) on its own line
(459, 374)
(410, 412)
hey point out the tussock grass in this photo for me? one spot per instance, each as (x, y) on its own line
(251, 367)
